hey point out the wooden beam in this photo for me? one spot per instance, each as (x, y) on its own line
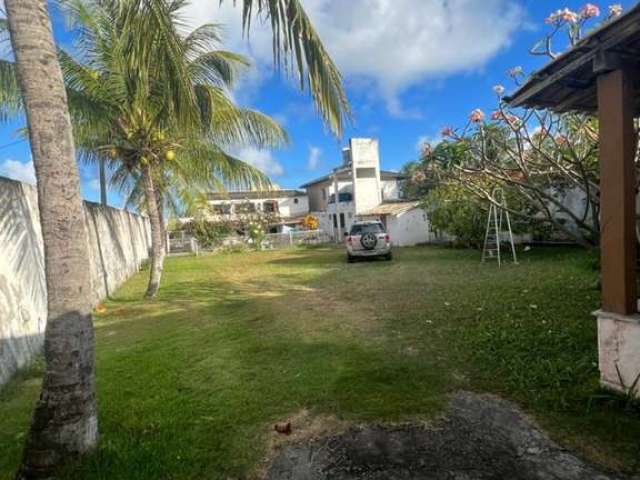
(617, 192)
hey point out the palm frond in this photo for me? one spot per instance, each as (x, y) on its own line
(294, 36)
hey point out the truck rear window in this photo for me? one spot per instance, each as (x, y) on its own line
(367, 228)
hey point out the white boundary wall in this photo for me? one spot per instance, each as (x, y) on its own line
(119, 242)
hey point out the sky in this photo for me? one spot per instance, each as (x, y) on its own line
(410, 67)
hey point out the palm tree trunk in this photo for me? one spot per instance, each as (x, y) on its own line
(163, 229)
(103, 182)
(157, 242)
(65, 421)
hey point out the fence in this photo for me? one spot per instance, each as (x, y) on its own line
(183, 242)
(295, 237)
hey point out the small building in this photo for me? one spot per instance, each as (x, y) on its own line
(406, 223)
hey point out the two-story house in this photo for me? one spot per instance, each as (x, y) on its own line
(285, 208)
(359, 189)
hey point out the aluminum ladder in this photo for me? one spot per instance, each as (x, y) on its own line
(498, 213)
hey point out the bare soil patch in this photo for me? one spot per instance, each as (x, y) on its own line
(481, 437)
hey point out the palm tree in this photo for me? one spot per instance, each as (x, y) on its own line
(65, 420)
(155, 100)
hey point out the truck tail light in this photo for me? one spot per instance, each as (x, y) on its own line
(349, 240)
(387, 238)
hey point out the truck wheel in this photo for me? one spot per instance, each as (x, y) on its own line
(388, 256)
(350, 259)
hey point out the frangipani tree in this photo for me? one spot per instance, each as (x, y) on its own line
(539, 156)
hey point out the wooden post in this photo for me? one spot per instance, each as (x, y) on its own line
(617, 192)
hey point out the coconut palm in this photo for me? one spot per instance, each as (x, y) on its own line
(163, 122)
(65, 420)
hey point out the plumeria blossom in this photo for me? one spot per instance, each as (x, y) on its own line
(418, 176)
(426, 149)
(447, 132)
(615, 10)
(589, 11)
(515, 72)
(562, 16)
(561, 140)
(476, 116)
(507, 117)
(499, 90)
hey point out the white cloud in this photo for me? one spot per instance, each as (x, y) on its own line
(94, 184)
(393, 44)
(314, 158)
(263, 160)
(21, 171)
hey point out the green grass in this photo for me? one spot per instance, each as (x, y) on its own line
(190, 384)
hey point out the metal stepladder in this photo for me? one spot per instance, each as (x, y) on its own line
(498, 212)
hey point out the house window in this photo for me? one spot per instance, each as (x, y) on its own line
(345, 197)
(332, 198)
(247, 207)
(270, 206)
(324, 193)
(221, 209)
(342, 220)
(295, 200)
(335, 221)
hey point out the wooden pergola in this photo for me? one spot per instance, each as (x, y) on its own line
(601, 75)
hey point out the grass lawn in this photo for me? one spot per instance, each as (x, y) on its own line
(189, 385)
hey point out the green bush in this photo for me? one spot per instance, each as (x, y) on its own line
(455, 211)
(208, 234)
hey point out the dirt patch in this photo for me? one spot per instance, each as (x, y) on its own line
(305, 427)
(480, 438)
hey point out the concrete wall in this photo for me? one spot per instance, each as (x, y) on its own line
(119, 242)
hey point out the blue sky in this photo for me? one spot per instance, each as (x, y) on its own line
(410, 67)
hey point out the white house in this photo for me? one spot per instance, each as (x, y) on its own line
(288, 207)
(359, 189)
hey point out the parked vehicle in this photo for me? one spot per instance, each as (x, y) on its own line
(367, 239)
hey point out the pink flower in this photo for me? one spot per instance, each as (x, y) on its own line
(562, 16)
(476, 116)
(426, 149)
(447, 132)
(511, 119)
(589, 11)
(615, 10)
(515, 72)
